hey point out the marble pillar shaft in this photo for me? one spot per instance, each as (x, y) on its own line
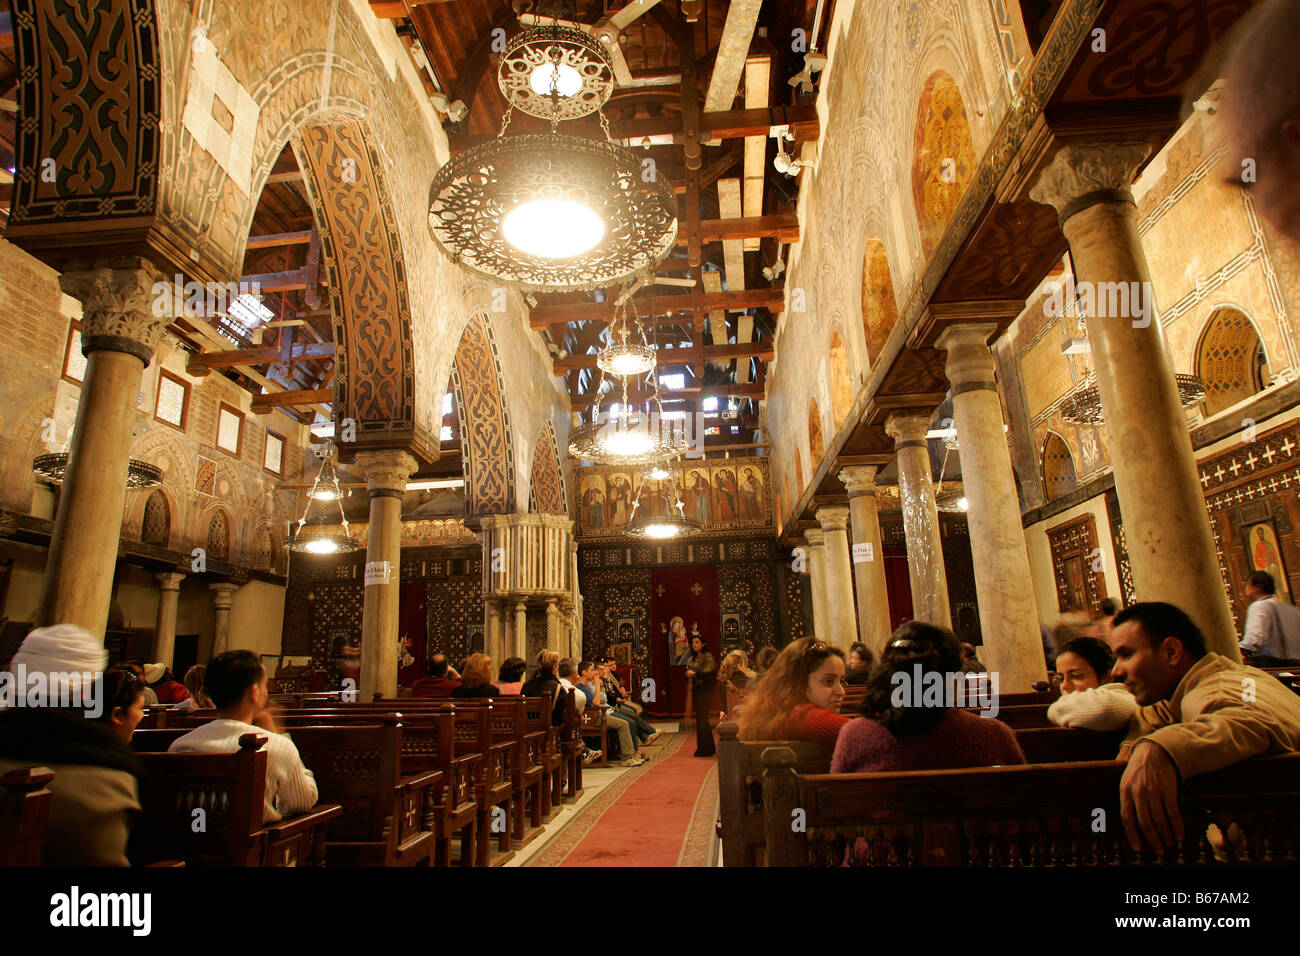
(1166, 525)
(925, 567)
(869, 568)
(164, 635)
(1007, 607)
(817, 579)
(223, 596)
(841, 628)
(386, 475)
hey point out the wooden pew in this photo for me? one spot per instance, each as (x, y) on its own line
(229, 789)
(537, 712)
(388, 818)
(493, 785)
(572, 746)
(1067, 744)
(740, 795)
(1032, 815)
(24, 813)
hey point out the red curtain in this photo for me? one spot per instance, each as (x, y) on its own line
(690, 593)
(899, 584)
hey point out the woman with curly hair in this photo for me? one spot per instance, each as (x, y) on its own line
(903, 729)
(735, 670)
(798, 696)
(476, 681)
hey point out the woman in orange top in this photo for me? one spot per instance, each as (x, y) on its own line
(798, 697)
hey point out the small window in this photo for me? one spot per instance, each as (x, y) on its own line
(445, 434)
(273, 457)
(173, 403)
(711, 403)
(446, 403)
(74, 363)
(230, 430)
(674, 381)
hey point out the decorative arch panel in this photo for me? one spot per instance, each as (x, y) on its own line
(547, 496)
(484, 421)
(1231, 360)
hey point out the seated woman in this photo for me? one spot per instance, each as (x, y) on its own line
(798, 696)
(899, 732)
(735, 670)
(860, 662)
(83, 737)
(197, 700)
(166, 687)
(1087, 698)
(763, 661)
(476, 681)
(510, 680)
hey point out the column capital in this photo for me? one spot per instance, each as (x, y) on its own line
(969, 364)
(170, 580)
(816, 537)
(386, 471)
(859, 479)
(1084, 174)
(833, 517)
(223, 593)
(907, 429)
(119, 310)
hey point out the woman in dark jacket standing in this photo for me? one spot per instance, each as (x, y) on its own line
(703, 671)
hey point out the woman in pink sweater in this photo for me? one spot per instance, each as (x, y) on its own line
(907, 725)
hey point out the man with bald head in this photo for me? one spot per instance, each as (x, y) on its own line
(1199, 711)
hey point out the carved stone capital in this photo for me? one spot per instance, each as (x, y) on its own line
(859, 479)
(833, 518)
(1082, 175)
(170, 580)
(969, 364)
(386, 471)
(907, 429)
(223, 595)
(118, 307)
(815, 537)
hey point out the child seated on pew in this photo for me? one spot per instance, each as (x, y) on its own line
(236, 682)
(510, 679)
(903, 729)
(1088, 697)
(798, 696)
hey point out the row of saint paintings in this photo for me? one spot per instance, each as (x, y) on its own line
(721, 495)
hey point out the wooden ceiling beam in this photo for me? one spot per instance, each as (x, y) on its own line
(695, 355)
(655, 307)
(264, 403)
(200, 362)
(585, 399)
(279, 239)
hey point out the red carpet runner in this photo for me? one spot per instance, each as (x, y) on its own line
(659, 814)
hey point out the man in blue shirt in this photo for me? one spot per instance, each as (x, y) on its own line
(589, 683)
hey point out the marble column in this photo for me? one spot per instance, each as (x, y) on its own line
(1166, 525)
(521, 630)
(869, 567)
(223, 595)
(119, 332)
(552, 624)
(164, 634)
(1008, 612)
(386, 475)
(841, 622)
(920, 519)
(494, 641)
(816, 551)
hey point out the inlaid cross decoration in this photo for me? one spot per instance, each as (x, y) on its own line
(660, 590)
(696, 588)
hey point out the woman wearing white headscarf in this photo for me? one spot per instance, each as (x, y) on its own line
(81, 734)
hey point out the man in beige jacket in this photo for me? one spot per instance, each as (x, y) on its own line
(1199, 712)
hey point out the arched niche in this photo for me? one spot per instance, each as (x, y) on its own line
(943, 158)
(1230, 358)
(156, 528)
(841, 380)
(816, 447)
(1059, 476)
(218, 541)
(879, 306)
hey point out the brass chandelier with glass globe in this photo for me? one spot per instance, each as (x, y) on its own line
(673, 522)
(550, 212)
(313, 538)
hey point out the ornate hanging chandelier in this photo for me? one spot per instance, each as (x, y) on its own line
(551, 70)
(54, 465)
(1082, 406)
(547, 211)
(317, 538)
(624, 358)
(673, 522)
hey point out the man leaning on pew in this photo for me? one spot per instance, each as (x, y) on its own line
(1200, 711)
(236, 682)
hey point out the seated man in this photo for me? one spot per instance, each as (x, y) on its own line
(236, 682)
(442, 679)
(1088, 699)
(1200, 712)
(591, 685)
(1272, 637)
(621, 705)
(567, 670)
(970, 662)
(860, 662)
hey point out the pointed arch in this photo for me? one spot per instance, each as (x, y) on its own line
(816, 447)
(218, 540)
(486, 447)
(1059, 476)
(943, 158)
(879, 305)
(1230, 358)
(547, 493)
(156, 528)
